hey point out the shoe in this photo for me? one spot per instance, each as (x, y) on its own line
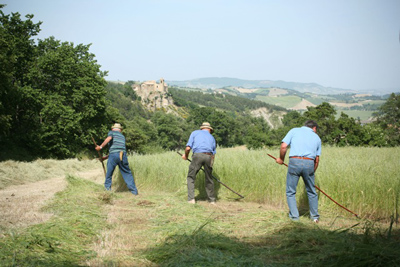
(192, 201)
(316, 220)
(212, 202)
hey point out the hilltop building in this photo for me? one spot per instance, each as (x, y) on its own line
(153, 95)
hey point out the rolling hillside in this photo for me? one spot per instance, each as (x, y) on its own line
(220, 82)
(289, 95)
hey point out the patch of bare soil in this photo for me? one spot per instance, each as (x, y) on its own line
(303, 105)
(245, 90)
(265, 114)
(345, 105)
(20, 205)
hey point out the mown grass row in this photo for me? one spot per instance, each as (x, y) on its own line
(64, 240)
(276, 242)
(365, 180)
(17, 172)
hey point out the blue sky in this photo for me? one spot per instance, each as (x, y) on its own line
(350, 44)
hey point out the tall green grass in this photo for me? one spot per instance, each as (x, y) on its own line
(365, 180)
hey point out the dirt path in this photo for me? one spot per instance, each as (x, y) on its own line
(20, 205)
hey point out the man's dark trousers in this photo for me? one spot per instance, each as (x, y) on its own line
(199, 160)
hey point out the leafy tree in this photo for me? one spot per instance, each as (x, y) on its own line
(388, 117)
(128, 91)
(292, 119)
(374, 135)
(68, 87)
(256, 135)
(324, 115)
(52, 97)
(349, 131)
(223, 124)
(136, 138)
(224, 128)
(199, 115)
(170, 130)
(17, 54)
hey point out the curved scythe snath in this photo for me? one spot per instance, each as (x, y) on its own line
(323, 193)
(100, 156)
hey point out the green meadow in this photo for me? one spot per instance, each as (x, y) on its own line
(282, 101)
(365, 180)
(363, 115)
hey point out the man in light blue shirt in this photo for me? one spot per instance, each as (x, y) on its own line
(305, 149)
(204, 149)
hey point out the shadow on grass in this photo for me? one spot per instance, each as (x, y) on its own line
(200, 185)
(293, 244)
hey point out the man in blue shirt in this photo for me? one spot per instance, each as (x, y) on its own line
(305, 149)
(117, 157)
(204, 148)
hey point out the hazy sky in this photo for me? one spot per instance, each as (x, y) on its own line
(350, 44)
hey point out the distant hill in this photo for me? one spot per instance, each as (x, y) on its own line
(220, 82)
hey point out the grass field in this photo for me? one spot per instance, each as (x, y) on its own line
(362, 114)
(282, 101)
(290, 101)
(92, 227)
(366, 180)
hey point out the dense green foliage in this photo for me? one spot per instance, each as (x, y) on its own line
(150, 130)
(345, 130)
(53, 95)
(388, 117)
(228, 102)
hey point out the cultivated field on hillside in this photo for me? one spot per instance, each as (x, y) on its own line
(358, 106)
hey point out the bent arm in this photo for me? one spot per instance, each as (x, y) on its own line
(186, 155)
(282, 153)
(316, 163)
(106, 141)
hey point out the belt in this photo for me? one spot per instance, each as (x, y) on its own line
(207, 153)
(297, 157)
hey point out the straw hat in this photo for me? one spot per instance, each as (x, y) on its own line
(116, 125)
(206, 125)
